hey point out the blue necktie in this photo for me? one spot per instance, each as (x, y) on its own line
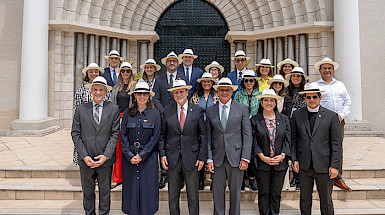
(240, 79)
(115, 77)
(187, 74)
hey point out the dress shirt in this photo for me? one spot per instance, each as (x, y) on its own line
(112, 73)
(189, 71)
(228, 104)
(178, 109)
(335, 98)
(173, 76)
(100, 109)
(243, 72)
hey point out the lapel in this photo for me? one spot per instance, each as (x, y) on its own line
(320, 116)
(305, 119)
(216, 117)
(189, 114)
(175, 115)
(108, 75)
(231, 113)
(261, 121)
(166, 85)
(89, 110)
(105, 112)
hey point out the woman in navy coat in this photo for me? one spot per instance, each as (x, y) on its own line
(140, 133)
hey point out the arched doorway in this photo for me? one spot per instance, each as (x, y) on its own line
(194, 24)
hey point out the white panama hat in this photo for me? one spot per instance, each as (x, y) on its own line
(142, 87)
(114, 53)
(151, 62)
(101, 81)
(311, 88)
(297, 70)
(206, 76)
(287, 61)
(250, 74)
(171, 55)
(92, 66)
(188, 52)
(126, 65)
(278, 78)
(179, 84)
(265, 62)
(240, 54)
(268, 93)
(214, 64)
(324, 61)
(225, 82)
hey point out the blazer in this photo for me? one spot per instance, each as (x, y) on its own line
(196, 73)
(323, 145)
(191, 142)
(91, 139)
(163, 97)
(107, 76)
(287, 106)
(261, 140)
(235, 141)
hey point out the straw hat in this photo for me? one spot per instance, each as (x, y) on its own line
(114, 53)
(206, 76)
(126, 65)
(180, 84)
(311, 88)
(326, 60)
(214, 64)
(171, 55)
(287, 61)
(225, 82)
(265, 62)
(92, 66)
(151, 62)
(142, 87)
(297, 70)
(240, 54)
(101, 81)
(278, 78)
(250, 74)
(188, 52)
(268, 93)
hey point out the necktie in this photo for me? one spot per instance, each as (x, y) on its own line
(182, 118)
(171, 81)
(187, 74)
(239, 78)
(115, 77)
(96, 113)
(224, 117)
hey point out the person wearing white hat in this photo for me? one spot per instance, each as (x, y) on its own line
(279, 84)
(228, 124)
(83, 93)
(188, 69)
(183, 147)
(110, 73)
(265, 73)
(95, 132)
(335, 98)
(240, 60)
(120, 96)
(286, 66)
(150, 72)
(141, 127)
(271, 144)
(216, 70)
(316, 148)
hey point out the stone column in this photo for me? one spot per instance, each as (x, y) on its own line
(143, 52)
(33, 110)
(270, 50)
(347, 52)
(260, 50)
(240, 46)
(280, 51)
(91, 49)
(114, 44)
(303, 52)
(103, 52)
(79, 61)
(123, 51)
(291, 47)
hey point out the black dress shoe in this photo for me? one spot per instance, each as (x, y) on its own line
(201, 184)
(162, 182)
(115, 185)
(293, 181)
(252, 185)
(243, 186)
(297, 186)
(182, 184)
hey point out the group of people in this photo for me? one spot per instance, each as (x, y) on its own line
(243, 128)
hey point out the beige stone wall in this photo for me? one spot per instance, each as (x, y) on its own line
(11, 24)
(372, 37)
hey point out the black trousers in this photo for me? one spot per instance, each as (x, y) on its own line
(88, 176)
(324, 188)
(270, 185)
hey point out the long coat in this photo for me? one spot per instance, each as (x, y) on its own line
(140, 194)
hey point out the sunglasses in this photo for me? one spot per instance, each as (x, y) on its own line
(125, 70)
(249, 80)
(312, 97)
(227, 90)
(142, 93)
(240, 60)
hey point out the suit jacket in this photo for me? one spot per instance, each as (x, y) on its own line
(235, 141)
(163, 97)
(261, 140)
(287, 106)
(91, 139)
(191, 142)
(196, 73)
(323, 145)
(107, 76)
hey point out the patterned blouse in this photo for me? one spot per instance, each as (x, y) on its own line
(272, 128)
(298, 101)
(83, 95)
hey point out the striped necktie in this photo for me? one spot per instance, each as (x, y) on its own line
(224, 117)
(97, 114)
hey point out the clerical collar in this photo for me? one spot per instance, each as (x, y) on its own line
(315, 110)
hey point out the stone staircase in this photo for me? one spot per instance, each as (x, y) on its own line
(57, 190)
(361, 128)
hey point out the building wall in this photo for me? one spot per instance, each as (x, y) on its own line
(372, 33)
(11, 24)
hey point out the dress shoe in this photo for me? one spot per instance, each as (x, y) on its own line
(162, 182)
(342, 185)
(243, 187)
(201, 184)
(297, 186)
(114, 185)
(182, 184)
(252, 185)
(293, 182)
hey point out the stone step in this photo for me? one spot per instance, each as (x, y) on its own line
(360, 128)
(70, 189)
(288, 207)
(364, 134)
(73, 172)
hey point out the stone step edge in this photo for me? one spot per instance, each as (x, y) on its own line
(364, 134)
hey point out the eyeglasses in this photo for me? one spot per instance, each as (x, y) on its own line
(142, 93)
(214, 70)
(310, 97)
(125, 70)
(227, 90)
(249, 80)
(240, 60)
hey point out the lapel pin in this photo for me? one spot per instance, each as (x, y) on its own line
(319, 115)
(191, 109)
(145, 120)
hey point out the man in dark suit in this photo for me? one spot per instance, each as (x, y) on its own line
(316, 149)
(95, 132)
(110, 73)
(229, 146)
(163, 97)
(183, 147)
(191, 72)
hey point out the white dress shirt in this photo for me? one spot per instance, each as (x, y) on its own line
(335, 98)
(189, 71)
(243, 73)
(178, 109)
(112, 71)
(173, 76)
(100, 109)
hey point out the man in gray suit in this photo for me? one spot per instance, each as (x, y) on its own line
(316, 149)
(95, 132)
(229, 146)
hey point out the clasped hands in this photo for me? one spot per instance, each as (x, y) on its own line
(271, 161)
(99, 160)
(136, 159)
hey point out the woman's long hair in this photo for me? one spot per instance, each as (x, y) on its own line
(145, 77)
(87, 79)
(256, 84)
(200, 91)
(281, 70)
(134, 106)
(290, 88)
(260, 108)
(131, 82)
(270, 72)
(282, 92)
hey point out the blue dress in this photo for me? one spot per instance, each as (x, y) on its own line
(140, 135)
